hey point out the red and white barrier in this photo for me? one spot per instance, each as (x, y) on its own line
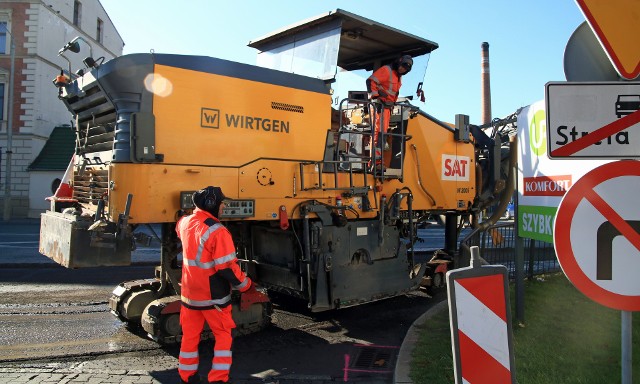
(65, 190)
(481, 325)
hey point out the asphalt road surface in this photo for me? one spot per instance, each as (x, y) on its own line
(52, 315)
(58, 315)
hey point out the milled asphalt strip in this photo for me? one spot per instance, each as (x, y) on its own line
(403, 368)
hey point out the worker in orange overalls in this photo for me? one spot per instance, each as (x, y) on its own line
(209, 271)
(384, 85)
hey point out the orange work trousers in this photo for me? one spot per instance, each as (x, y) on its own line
(221, 323)
(385, 114)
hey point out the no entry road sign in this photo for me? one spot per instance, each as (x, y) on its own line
(593, 120)
(597, 235)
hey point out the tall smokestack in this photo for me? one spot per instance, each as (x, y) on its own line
(486, 84)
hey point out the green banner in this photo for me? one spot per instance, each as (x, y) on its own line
(536, 222)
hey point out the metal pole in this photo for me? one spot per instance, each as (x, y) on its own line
(7, 179)
(519, 245)
(626, 347)
(475, 257)
(451, 233)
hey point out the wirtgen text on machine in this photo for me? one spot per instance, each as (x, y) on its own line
(257, 123)
(211, 118)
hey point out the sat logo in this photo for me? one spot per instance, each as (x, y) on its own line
(455, 168)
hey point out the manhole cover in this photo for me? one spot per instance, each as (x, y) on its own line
(374, 358)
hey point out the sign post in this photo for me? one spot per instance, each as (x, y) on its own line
(480, 315)
(627, 333)
(597, 241)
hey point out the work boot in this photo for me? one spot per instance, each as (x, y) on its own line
(195, 379)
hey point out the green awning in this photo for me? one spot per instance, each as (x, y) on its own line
(57, 151)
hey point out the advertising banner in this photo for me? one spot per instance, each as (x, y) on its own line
(542, 182)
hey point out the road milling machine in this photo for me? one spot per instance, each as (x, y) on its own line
(316, 212)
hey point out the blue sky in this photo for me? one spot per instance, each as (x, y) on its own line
(527, 39)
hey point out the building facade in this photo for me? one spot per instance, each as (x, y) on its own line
(37, 30)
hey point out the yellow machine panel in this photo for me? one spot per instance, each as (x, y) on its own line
(210, 119)
(439, 171)
(156, 188)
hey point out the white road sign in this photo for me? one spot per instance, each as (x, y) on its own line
(593, 120)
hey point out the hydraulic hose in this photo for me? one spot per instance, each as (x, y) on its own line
(506, 194)
(420, 183)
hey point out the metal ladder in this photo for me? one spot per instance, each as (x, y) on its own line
(350, 150)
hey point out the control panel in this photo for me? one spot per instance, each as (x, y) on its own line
(186, 201)
(238, 208)
(232, 208)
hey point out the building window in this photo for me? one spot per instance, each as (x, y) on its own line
(4, 27)
(77, 13)
(99, 29)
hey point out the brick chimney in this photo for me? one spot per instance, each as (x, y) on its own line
(486, 84)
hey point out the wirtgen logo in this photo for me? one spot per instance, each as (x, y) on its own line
(538, 133)
(210, 118)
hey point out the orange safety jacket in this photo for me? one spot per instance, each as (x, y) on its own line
(384, 84)
(209, 265)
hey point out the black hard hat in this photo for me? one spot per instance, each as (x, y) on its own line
(405, 61)
(208, 199)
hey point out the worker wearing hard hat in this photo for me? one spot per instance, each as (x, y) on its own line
(384, 85)
(209, 271)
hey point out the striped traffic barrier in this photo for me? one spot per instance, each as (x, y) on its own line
(480, 316)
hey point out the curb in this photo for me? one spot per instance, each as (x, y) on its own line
(12, 222)
(53, 264)
(403, 365)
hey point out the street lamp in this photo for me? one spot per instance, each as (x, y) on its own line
(7, 185)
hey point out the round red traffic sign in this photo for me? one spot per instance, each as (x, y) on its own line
(597, 235)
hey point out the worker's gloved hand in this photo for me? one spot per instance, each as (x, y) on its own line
(253, 295)
(253, 288)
